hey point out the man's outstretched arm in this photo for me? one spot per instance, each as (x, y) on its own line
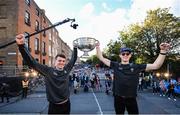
(31, 62)
(71, 63)
(100, 56)
(160, 59)
(20, 40)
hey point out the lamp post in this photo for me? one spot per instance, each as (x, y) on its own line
(168, 68)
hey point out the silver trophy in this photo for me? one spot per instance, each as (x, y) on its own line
(85, 44)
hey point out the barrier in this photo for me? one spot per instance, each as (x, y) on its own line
(12, 71)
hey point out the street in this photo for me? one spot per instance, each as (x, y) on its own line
(91, 102)
(126, 47)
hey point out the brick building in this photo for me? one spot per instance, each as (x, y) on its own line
(24, 16)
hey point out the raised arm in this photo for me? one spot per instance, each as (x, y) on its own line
(73, 59)
(100, 56)
(31, 62)
(164, 47)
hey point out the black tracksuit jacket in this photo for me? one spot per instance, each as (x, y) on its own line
(57, 82)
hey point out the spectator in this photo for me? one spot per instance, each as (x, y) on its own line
(76, 85)
(162, 89)
(25, 84)
(155, 87)
(4, 92)
(140, 83)
(171, 91)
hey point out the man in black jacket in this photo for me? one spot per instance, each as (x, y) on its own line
(4, 89)
(126, 77)
(56, 78)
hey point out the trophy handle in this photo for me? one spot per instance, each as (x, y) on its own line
(96, 42)
(75, 43)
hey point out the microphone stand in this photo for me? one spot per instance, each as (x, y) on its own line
(54, 25)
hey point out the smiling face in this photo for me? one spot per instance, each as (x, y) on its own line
(60, 62)
(125, 57)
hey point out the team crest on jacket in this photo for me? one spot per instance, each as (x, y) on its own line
(132, 69)
(65, 71)
(55, 73)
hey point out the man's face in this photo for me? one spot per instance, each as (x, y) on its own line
(60, 62)
(125, 56)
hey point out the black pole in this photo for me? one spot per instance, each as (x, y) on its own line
(28, 36)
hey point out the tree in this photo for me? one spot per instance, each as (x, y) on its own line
(93, 60)
(145, 38)
(113, 50)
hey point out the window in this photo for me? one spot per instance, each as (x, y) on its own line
(56, 52)
(44, 32)
(50, 62)
(53, 52)
(3, 11)
(44, 48)
(49, 36)
(27, 18)
(37, 59)
(37, 26)
(44, 20)
(37, 12)
(56, 41)
(36, 45)
(50, 51)
(27, 41)
(44, 61)
(28, 2)
(53, 38)
(3, 33)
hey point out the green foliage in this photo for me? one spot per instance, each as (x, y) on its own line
(93, 60)
(145, 37)
(113, 50)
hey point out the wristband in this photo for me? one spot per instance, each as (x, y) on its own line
(162, 53)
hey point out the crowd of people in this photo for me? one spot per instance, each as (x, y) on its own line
(163, 87)
(166, 87)
(160, 85)
(89, 78)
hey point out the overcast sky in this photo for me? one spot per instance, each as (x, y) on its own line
(100, 19)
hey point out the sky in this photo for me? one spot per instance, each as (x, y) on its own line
(100, 19)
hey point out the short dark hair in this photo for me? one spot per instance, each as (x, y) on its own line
(60, 55)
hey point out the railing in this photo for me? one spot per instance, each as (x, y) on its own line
(12, 71)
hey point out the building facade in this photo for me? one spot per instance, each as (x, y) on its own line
(24, 16)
